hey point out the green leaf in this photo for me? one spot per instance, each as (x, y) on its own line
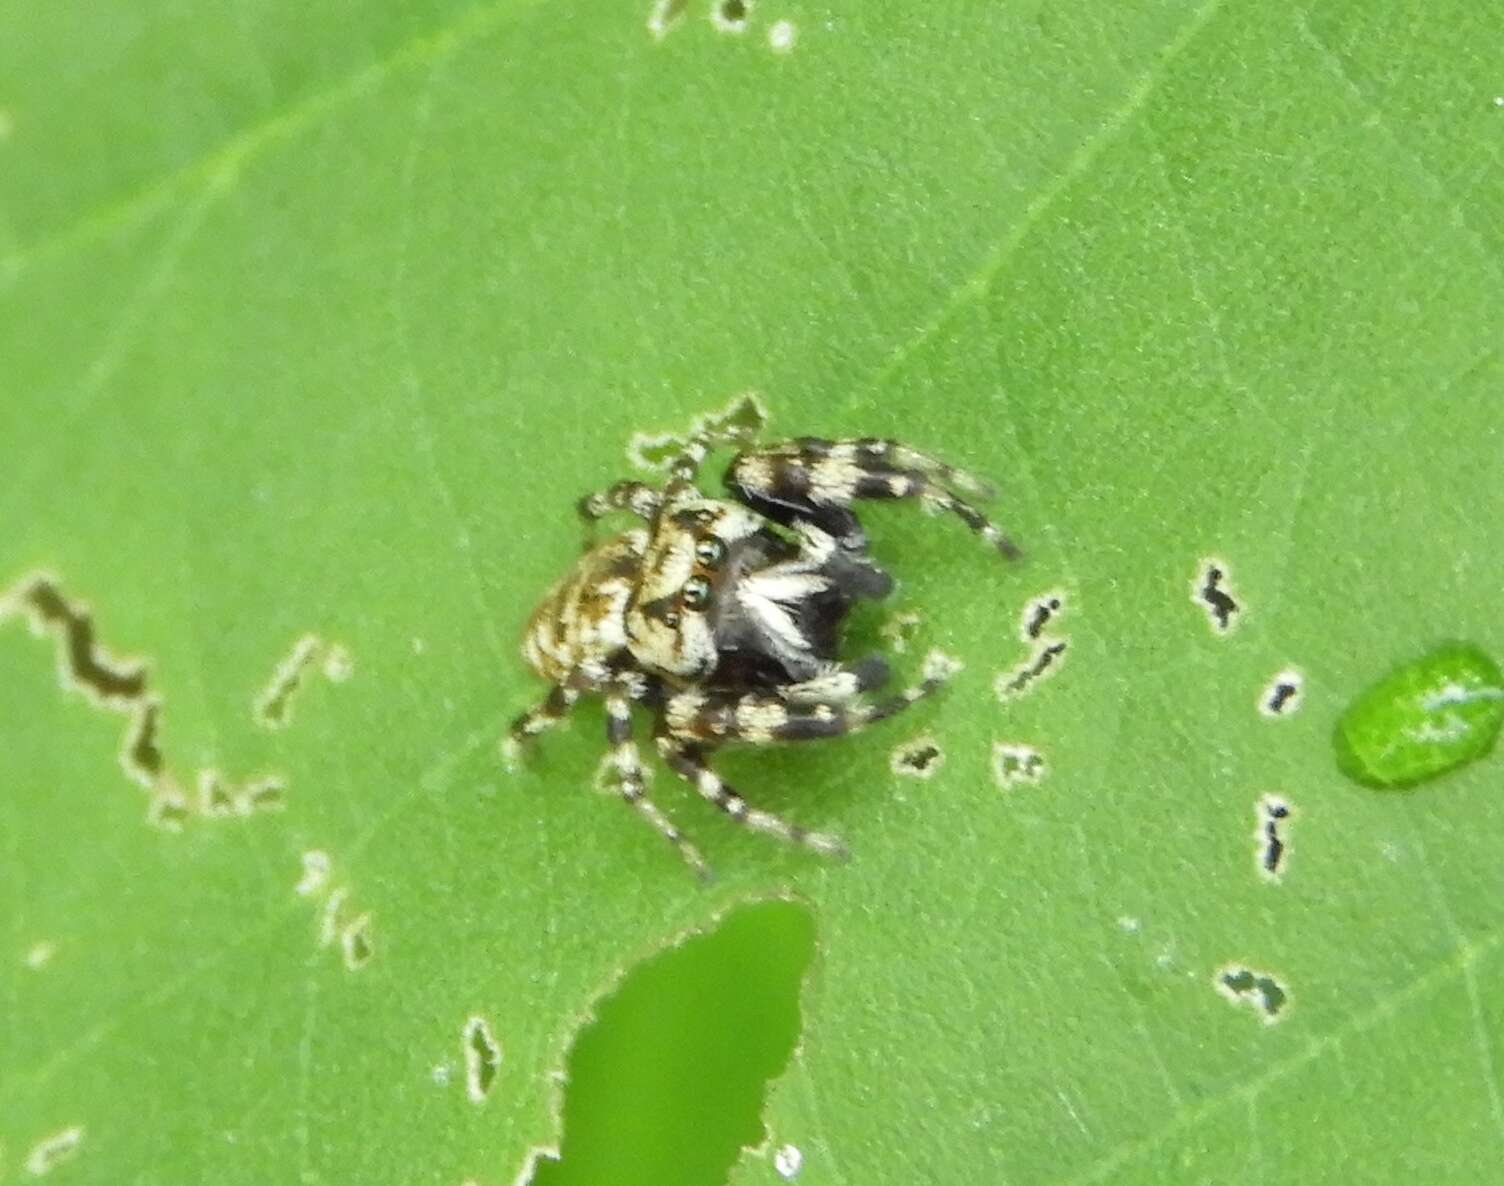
(315, 322)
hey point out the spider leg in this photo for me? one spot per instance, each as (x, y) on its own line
(628, 495)
(818, 480)
(629, 772)
(538, 719)
(688, 761)
(759, 718)
(874, 452)
(842, 683)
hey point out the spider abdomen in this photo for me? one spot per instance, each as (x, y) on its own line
(580, 623)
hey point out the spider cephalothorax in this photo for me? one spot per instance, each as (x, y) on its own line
(724, 618)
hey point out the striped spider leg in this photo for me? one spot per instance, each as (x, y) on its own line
(816, 481)
(695, 722)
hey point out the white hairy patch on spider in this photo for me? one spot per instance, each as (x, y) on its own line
(668, 566)
(818, 544)
(760, 718)
(764, 595)
(834, 479)
(838, 686)
(604, 628)
(755, 473)
(788, 1160)
(682, 710)
(615, 770)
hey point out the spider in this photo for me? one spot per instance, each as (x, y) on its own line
(723, 618)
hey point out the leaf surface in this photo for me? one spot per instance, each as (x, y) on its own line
(317, 322)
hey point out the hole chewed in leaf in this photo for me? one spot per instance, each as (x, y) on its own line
(329, 916)
(1283, 695)
(355, 943)
(788, 1160)
(1039, 613)
(214, 796)
(1271, 837)
(335, 928)
(919, 758)
(1014, 763)
(273, 707)
(482, 1059)
(1046, 650)
(740, 420)
(1211, 590)
(264, 794)
(86, 666)
(1432, 715)
(665, 16)
(47, 1154)
(667, 1083)
(1044, 662)
(901, 629)
(1260, 991)
(218, 797)
(731, 16)
(316, 867)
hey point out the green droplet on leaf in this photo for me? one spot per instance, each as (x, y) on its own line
(1423, 719)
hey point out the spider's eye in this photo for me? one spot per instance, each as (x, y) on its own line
(671, 618)
(710, 551)
(696, 593)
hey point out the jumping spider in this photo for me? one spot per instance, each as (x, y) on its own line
(724, 618)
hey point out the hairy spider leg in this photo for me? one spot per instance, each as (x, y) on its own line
(685, 468)
(628, 765)
(870, 451)
(540, 718)
(841, 683)
(688, 761)
(627, 495)
(759, 718)
(818, 480)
